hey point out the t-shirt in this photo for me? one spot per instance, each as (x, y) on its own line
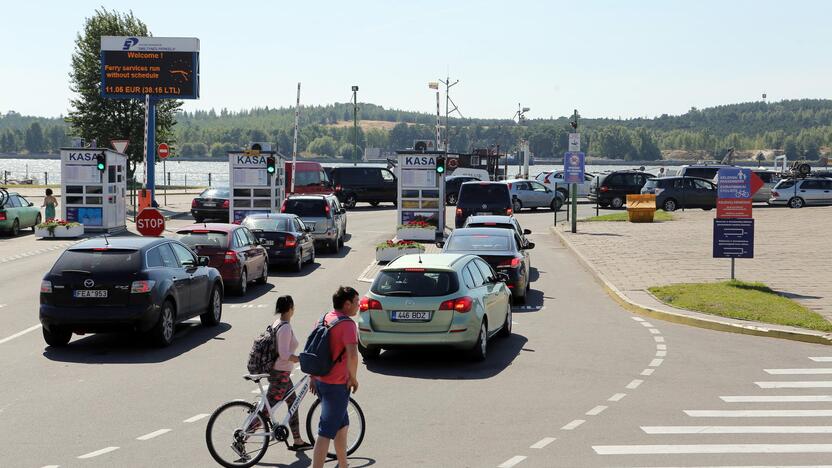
(287, 344)
(345, 333)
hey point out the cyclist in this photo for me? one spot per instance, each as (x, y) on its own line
(280, 380)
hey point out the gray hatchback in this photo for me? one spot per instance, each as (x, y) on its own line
(532, 194)
(324, 215)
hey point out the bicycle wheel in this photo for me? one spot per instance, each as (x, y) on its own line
(229, 443)
(356, 431)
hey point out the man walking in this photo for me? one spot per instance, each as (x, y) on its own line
(334, 387)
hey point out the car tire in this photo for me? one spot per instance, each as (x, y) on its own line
(312, 256)
(556, 204)
(669, 205)
(794, 202)
(37, 221)
(350, 201)
(265, 277)
(617, 203)
(370, 353)
(15, 228)
(505, 332)
(212, 316)
(162, 333)
(242, 284)
(565, 193)
(298, 265)
(480, 350)
(57, 337)
(452, 199)
(516, 205)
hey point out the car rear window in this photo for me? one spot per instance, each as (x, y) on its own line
(651, 184)
(415, 282)
(99, 261)
(306, 207)
(215, 193)
(490, 225)
(478, 242)
(492, 194)
(203, 238)
(268, 224)
(784, 184)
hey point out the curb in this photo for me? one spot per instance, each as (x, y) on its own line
(752, 328)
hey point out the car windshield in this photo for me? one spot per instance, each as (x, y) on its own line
(414, 282)
(98, 261)
(307, 178)
(214, 193)
(268, 224)
(306, 207)
(478, 242)
(203, 238)
(484, 193)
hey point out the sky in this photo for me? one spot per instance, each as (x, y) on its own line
(633, 58)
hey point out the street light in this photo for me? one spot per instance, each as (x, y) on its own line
(355, 122)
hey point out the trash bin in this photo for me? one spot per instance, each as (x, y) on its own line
(641, 208)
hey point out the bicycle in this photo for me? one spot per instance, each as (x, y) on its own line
(238, 431)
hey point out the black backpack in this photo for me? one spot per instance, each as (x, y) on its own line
(263, 352)
(316, 358)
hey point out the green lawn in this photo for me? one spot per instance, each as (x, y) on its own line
(740, 300)
(660, 216)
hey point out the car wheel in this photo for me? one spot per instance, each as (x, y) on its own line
(565, 193)
(37, 221)
(669, 205)
(350, 201)
(341, 241)
(333, 246)
(298, 266)
(556, 204)
(242, 285)
(373, 352)
(505, 332)
(265, 277)
(516, 205)
(795, 202)
(452, 199)
(617, 202)
(312, 256)
(162, 332)
(374, 204)
(56, 336)
(480, 350)
(212, 316)
(15, 228)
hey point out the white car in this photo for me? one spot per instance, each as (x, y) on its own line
(555, 181)
(797, 193)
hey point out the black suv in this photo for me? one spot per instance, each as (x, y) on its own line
(452, 185)
(482, 198)
(612, 189)
(353, 184)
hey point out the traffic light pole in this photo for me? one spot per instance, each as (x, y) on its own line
(150, 165)
(574, 187)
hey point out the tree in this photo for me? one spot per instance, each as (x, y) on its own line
(57, 137)
(92, 116)
(812, 151)
(35, 142)
(791, 149)
(324, 146)
(347, 151)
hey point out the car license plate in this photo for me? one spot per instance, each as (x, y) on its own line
(483, 214)
(411, 315)
(209, 204)
(96, 293)
(267, 243)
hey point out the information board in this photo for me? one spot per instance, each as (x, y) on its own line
(164, 68)
(733, 238)
(573, 167)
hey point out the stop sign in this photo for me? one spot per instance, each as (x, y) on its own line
(150, 222)
(164, 150)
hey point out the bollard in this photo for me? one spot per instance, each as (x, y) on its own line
(45, 178)
(209, 179)
(556, 211)
(186, 182)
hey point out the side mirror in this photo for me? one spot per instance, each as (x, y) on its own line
(204, 261)
(440, 244)
(31, 204)
(527, 232)
(529, 246)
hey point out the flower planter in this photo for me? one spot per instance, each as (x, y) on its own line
(423, 234)
(388, 254)
(60, 232)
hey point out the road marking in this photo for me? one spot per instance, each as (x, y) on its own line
(710, 448)
(750, 466)
(654, 331)
(647, 324)
(637, 319)
(659, 339)
(196, 418)
(19, 334)
(597, 410)
(617, 397)
(647, 371)
(634, 384)
(796, 384)
(153, 434)
(97, 453)
(543, 442)
(661, 353)
(813, 413)
(656, 362)
(51, 466)
(737, 429)
(511, 462)
(572, 425)
(661, 346)
(777, 399)
(2, 305)
(819, 371)
(822, 359)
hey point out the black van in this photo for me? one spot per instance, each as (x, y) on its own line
(482, 198)
(353, 184)
(612, 189)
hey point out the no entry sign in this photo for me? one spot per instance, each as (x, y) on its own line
(164, 150)
(150, 222)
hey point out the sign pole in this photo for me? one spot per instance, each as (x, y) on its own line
(165, 171)
(295, 142)
(150, 167)
(144, 151)
(574, 186)
(732, 268)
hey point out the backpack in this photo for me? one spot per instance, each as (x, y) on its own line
(316, 358)
(263, 352)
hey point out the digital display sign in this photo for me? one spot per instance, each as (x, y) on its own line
(164, 68)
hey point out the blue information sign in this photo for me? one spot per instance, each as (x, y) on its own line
(734, 182)
(733, 238)
(573, 167)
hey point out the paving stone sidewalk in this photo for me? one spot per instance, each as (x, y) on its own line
(792, 253)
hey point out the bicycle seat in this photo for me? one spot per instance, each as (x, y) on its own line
(255, 377)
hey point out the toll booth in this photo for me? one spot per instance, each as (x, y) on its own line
(93, 188)
(253, 189)
(421, 190)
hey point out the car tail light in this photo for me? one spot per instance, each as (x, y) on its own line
(510, 263)
(460, 304)
(45, 286)
(604, 188)
(459, 211)
(283, 207)
(773, 193)
(141, 287)
(509, 211)
(369, 304)
(509, 186)
(230, 257)
(326, 210)
(337, 188)
(2, 215)
(194, 203)
(291, 241)
(225, 204)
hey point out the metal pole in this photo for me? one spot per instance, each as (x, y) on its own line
(597, 195)
(438, 122)
(165, 170)
(295, 142)
(556, 211)
(732, 268)
(575, 188)
(150, 167)
(209, 180)
(355, 123)
(45, 178)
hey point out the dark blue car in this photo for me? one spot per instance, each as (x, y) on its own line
(285, 237)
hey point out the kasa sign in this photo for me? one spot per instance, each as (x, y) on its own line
(419, 162)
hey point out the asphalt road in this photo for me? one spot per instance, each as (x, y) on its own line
(580, 383)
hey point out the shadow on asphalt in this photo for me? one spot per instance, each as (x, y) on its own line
(254, 292)
(534, 274)
(134, 348)
(345, 250)
(369, 208)
(286, 270)
(534, 302)
(303, 461)
(448, 363)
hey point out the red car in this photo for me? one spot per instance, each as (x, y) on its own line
(232, 249)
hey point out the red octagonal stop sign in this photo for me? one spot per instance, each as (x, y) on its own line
(150, 222)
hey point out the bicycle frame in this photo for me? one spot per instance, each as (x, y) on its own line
(300, 389)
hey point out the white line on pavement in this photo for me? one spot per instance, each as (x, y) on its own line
(814, 413)
(637, 319)
(647, 324)
(796, 384)
(195, 418)
(819, 371)
(543, 442)
(19, 334)
(153, 434)
(97, 453)
(661, 353)
(656, 362)
(51, 466)
(661, 346)
(511, 462)
(654, 331)
(737, 429)
(749, 466)
(634, 384)
(776, 398)
(659, 339)
(647, 372)
(597, 410)
(617, 397)
(573, 424)
(710, 448)
(822, 359)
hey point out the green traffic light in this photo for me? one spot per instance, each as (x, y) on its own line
(270, 169)
(440, 169)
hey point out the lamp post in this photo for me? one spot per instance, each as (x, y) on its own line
(355, 122)
(521, 117)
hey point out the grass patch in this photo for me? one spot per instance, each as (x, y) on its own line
(743, 301)
(660, 216)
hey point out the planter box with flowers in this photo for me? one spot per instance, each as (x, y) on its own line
(416, 230)
(59, 228)
(389, 251)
